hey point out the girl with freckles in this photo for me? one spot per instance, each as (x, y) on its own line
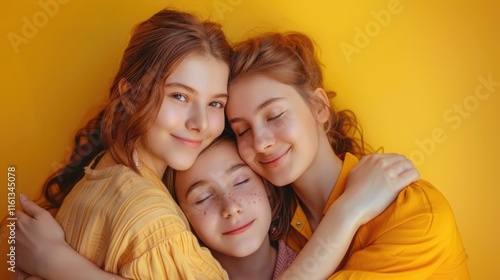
(239, 216)
(115, 215)
(234, 212)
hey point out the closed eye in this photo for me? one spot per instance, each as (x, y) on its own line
(242, 182)
(276, 117)
(243, 132)
(202, 200)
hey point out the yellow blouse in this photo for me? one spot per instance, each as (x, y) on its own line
(131, 226)
(416, 237)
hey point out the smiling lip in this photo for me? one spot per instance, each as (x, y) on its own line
(238, 230)
(188, 142)
(274, 160)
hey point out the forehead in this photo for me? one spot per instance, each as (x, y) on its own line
(201, 72)
(214, 160)
(257, 83)
(254, 90)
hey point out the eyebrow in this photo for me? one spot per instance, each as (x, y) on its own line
(193, 91)
(259, 108)
(230, 170)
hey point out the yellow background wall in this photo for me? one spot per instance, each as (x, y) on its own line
(423, 76)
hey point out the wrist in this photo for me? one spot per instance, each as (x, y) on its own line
(55, 259)
(352, 211)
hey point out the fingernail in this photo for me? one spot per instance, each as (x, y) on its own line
(23, 197)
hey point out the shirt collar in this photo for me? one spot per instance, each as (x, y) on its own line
(299, 221)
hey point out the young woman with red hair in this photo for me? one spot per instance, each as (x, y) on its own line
(166, 105)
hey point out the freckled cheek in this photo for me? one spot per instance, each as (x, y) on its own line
(255, 197)
(200, 218)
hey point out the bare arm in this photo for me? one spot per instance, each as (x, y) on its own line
(41, 248)
(371, 187)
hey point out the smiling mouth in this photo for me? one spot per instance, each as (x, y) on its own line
(238, 230)
(188, 142)
(275, 160)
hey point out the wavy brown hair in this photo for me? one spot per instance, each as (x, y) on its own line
(290, 58)
(156, 47)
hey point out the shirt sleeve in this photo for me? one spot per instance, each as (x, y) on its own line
(152, 240)
(178, 257)
(415, 238)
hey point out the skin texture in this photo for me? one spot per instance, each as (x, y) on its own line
(227, 206)
(191, 115)
(225, 201)
(271, 133)
(277, 134)
(283, 139)
(371, 187)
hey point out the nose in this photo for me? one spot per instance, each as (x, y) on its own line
(263, 139)
(231, 207)
(197, 119)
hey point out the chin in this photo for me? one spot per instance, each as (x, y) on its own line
(182, 165)
(287, 175)
(280, 180)
(245, 252)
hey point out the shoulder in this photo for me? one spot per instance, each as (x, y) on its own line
(422, 196)
(285, 253)
(284, 258)
(127, 200)
(142, 203)
(420, 206)
(125, 187)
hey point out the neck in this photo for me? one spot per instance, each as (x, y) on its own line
(313, 188)
(258, 265)
(155, 164)
(106, 161)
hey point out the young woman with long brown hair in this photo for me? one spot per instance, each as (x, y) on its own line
(166, 105)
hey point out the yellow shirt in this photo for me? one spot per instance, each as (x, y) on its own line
(416, 237)
(131, 226)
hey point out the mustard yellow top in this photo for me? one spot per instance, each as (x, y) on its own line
(416, 237)
(130, 225)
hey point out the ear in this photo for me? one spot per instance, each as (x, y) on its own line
(321, 108)
(123, 86)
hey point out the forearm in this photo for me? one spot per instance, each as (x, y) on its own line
(325, 250)
(68, 264)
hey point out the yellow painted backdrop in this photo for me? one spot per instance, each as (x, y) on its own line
(423, 76)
